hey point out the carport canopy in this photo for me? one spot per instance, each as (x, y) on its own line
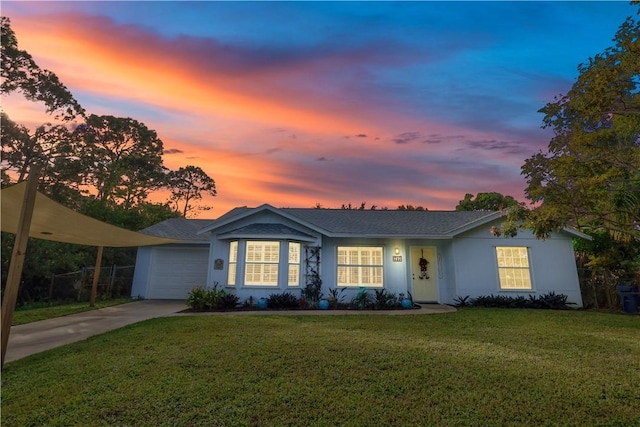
(52, 221)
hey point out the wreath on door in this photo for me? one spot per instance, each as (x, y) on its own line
(423, 263)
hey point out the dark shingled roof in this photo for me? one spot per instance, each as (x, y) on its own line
(334, 222)
(267, 230)
(389, 222)
(179, 228)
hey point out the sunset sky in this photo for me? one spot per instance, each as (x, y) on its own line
(300, 103)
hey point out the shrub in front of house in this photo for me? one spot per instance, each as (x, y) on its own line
(201, 299)
(551, 301)
(283, 301)
(385, 299)
(197, 298)
(362, 301)
(228, 301)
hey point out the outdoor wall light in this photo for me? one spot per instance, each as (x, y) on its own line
(397, 251)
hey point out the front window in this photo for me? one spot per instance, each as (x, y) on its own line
(360, 266)
(513, 267)
(294, 264)
(233, 263)
(261, 263)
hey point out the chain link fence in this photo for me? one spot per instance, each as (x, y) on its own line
(114, 282)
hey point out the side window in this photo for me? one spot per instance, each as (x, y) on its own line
(294, 264)
(513, 267)
(233, 263)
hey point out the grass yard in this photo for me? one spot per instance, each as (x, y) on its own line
(24, 315)
(483, 367)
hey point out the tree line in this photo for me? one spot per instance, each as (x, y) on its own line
(104, 166)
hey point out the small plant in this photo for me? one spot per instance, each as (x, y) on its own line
(211, 298)
(228, 301)
(197, 298)
(200, 299)
(362, 300)
(285, 300)
(462, 301)
(384, 299)
(335, 297)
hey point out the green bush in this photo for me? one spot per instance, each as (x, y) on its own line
(335, 297)
(285, 300)
(362, 300)
(197, 298)
(551, 301)
(228, 301)
(384, 299)
(201, 299)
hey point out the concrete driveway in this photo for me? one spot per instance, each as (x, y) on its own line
(35, 337)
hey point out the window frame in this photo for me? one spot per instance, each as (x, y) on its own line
(293, 266)
(521, 273)
(233, 263)
(360, 268)
(268, 268)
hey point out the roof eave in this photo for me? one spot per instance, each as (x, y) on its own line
(274, 236)
(577, 233)
(491, 216)
(391, 236)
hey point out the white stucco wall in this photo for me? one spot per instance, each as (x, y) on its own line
(141, 272)
(395, 273)
(552, 264)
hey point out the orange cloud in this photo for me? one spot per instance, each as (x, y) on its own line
(265, 133)
(95, 56)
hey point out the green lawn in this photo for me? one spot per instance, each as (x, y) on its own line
(27, 314)
(483, 367)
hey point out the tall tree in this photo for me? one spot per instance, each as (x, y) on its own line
(123, 159)
(187, 185)
(486, 202)
(590, 175)
(49, 145)
(20, 72)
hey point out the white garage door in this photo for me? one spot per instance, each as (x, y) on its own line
(175, 271)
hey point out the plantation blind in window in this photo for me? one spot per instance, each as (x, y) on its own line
(513, 267)
(294, 264)
(360, 266)
(233, 263)
(261, 263)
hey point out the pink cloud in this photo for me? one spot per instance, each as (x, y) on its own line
(257, 125)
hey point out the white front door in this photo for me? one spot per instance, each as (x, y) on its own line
(423, 274)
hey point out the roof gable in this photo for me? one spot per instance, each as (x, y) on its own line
(267, 231)
(241, 213)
